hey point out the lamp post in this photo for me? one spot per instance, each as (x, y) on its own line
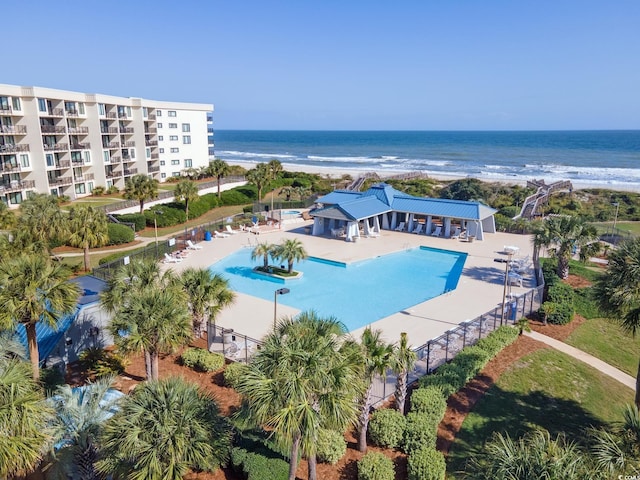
(615, 218)
(280, 291)
(504, 291)
(155, 227)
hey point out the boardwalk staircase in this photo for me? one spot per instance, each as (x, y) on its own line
(531, 206)
(357, 184)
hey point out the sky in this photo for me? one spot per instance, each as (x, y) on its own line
(343, 64)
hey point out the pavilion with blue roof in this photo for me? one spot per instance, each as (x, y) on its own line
(384, 207)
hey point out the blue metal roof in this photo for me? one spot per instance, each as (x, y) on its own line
(338, 196)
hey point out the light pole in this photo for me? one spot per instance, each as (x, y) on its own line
(615, 218)
(155, 227)
(280, 291)
(504, 291)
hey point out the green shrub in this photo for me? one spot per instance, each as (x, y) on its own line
(102, 363)
(420, 432)
(331, 446)
(510, 211)
(558, 313)
(97, 191)
(429, 400)
(202, 360)
(112, 190)
(239, 195)
(585, 304)
(387, 426)
(138, 219)
(172, 214)
(119, 234)
(447, 383)
(247, 209)
(375, 466)
(233, 372)
(258, 467)
(560, 293)
(473, 359)
(426, 464)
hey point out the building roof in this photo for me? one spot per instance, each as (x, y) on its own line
(382, 198)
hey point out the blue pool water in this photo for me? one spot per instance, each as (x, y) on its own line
(291, 212)
(356, 294)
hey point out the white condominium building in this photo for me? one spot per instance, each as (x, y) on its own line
(68, 143)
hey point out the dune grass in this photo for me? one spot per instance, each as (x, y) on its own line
(545, 389)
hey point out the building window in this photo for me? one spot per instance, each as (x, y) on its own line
(16, 103)
(129, 112)
(42, 104)
(188, 163)
(101, 109)
(159, 125)
(50, 161)
(87, 156)
(160, 138)
(172, 113)
(80, 188)
(158, 113)
(175, 162)
(81, 108)
(186, 139)
(173, 138)
(186, 127)
(105, 156)
(90, 187)
(163, 175)
(132, 152)
(173, 125)
(162, 163)
(175, 174)
(24, 160)
(162, 150)
(145, 112)
(175, 150)
(147, 152)
(15, 198)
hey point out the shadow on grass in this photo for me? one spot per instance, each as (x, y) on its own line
(509, 412)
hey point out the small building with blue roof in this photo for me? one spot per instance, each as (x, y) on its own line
(347, 213)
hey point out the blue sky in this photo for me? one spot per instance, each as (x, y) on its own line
(322, 65)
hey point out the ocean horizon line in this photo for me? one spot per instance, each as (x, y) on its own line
(422, 130)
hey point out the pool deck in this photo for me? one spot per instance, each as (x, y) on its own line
(479, 290)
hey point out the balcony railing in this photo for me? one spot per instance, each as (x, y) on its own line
(16, 186)
(126, 129)
(13, 129)
(131, 171)
(114, 145)
(151, 143)
(151, 116)
(154, 156)
(112, 115)
(123, 116)
(150, 130)
(77, 161)
(11, 148)
(9, 168)
(108, 130)
(153, 169)
(60, 164)
(127, 159)
(83, 178)
(80, 130)
(72, 113)
(114, 159)
(5, 109)
(114, 174)
(56, 147)
(53, 112)
(130, 143)
(80, 146)
(60, 181)
(52, 129)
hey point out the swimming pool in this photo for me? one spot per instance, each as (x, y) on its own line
(291, 212)
(356, 294)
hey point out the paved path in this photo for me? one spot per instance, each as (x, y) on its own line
(596, 363)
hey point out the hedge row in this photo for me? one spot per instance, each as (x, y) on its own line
(375, 466)
(258, 467)
(559, 306)
(202, 360)
(119, 234)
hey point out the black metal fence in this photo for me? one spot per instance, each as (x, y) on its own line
(232, 345)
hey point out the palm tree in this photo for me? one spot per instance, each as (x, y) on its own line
(378, 357)
(616, 450)
(162, 430)
(141, 188)
(307, 376)
(618, 291)
(287, 191)
(24, 418)
(80, 416)
(218, 168)
(155, 321)
(88, 228)
(403, 361)
(302, 191)
(263, 250)
(275, 168)
(40, 222)
(561, 235)
(259, 176)
(7, 217)
(187, 191)
(207, 293)
(34, 289)
(291, 251)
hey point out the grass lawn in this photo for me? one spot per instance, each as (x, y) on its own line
(605, 340)
(544, 389)
(210, 216)
(633, 228)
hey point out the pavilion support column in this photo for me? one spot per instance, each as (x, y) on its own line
(429, 225)
(394, 220)
(447, 227)
(410, 227)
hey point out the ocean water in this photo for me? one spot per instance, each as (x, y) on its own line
(607, 159)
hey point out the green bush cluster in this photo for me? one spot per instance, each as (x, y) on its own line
(331, 446)
(138, 219)
(239, 195)
(421, 432)
(102, 363)
(258, 467)
(169, 217)
(429, 401)
(119, 234)
(233, 372)
(426, 464)
(559, 307)
(386, 428)
(375, 466)
(202, 360)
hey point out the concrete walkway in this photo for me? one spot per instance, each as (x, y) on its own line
(596, 363)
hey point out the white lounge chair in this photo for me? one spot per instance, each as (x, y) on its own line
(515, 278)
(218, 234)
(456, 233)
(437, 231)
(171, 259)
(400, 227)
(230, 230)
(193, 246)
(418, 229)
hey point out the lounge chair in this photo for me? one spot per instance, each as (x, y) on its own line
(193, 246)
(456, 233)
(418, 229)
(218, 234)
(171, 259)
(400, 227)
(437, 231)
(230, 230)
(515, 277)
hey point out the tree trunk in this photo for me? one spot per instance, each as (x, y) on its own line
(147, 364)
(364, 420)
(186, 207)
(141, 206)
(563, 267)
(34, 354)
(290, 266)
(155, 359)
(218, 186)
(312, 470)
(637, 399)
(293, 461)
(86, 462)
(401, 391)
(87, 261)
